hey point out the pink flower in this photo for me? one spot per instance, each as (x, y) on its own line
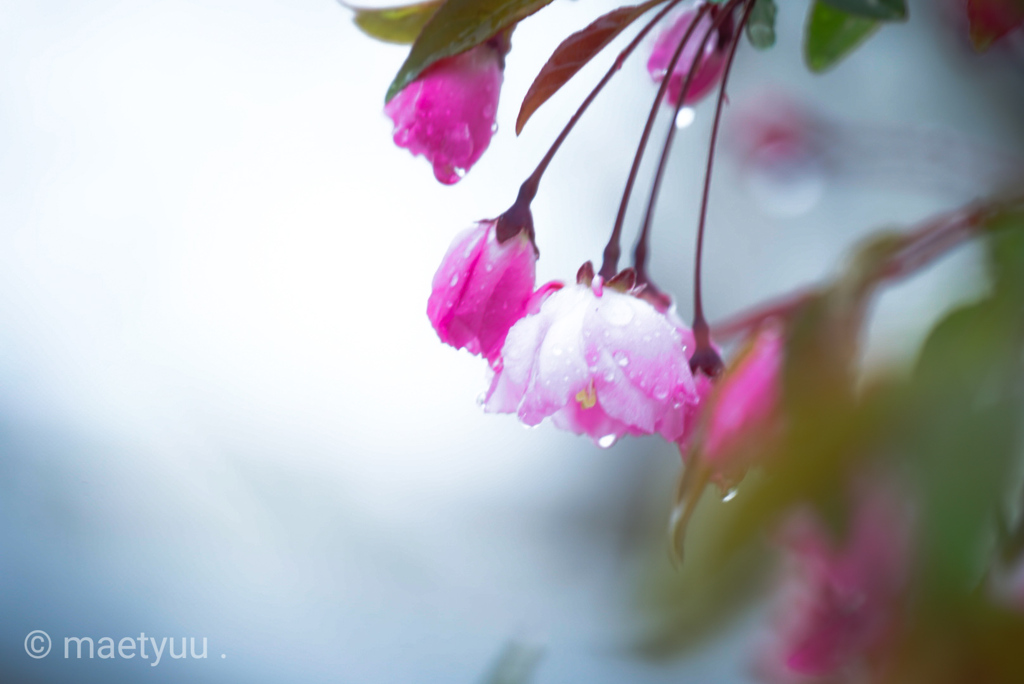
(481, 288)
(711, 68)
(840, 604)
(447, 114)
(600, 362)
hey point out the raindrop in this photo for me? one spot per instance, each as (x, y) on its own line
(685, 117)
(455, 279)
(621, 358)
(730, 494)
(607, 441)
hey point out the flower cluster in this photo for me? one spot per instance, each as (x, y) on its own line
(605, 355)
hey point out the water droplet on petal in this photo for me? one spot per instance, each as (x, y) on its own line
(607, 441)
(455, 280)
(621, 358)
(730, 494)
(489, 267)
(481, 399)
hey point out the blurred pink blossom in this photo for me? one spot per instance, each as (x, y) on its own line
(447, 114)
(481, 289)
(711, 68)
(839, 604)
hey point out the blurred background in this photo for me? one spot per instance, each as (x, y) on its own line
(224, 414)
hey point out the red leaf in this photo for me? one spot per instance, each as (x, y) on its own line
(990, 20)
(574, 53)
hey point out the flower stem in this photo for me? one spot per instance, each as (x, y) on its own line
(921, 246)
(612, 250)
(640, 250)
(518, 216)
(704, 356)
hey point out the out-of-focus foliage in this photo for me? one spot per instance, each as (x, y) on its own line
(761, 24)
(951, 427)
(399, 25)
(832, 34)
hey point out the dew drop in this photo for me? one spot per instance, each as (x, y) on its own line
(481, 399)
(489, 267)
(730, 494)
(686, 116)
(621, 358)
(607, 441)
(455, 280)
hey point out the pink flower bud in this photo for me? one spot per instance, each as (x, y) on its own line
(597, 362)
(711, 68)
(447, 114)
(747, 396)
(481, 288)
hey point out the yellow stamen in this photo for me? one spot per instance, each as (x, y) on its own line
(587, 397)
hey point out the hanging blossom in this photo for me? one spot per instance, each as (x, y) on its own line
(447, 114)
(599, 361)
(839, 604)
(712, 66)
(741, 409)
(482, 288)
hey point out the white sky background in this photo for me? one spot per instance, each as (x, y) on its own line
(223, 412)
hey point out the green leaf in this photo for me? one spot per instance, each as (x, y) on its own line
(395, 24)
(456, 27)
(886, 10)
(832, 34)
(761, 24)
(574, 53)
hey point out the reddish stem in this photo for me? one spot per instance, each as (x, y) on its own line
(922, 245)
(640, 250)
(518, 216)
(612, 250)
(705, 358)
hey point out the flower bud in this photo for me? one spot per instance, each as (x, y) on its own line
(711, 68)
(481, 289)
(447, 114)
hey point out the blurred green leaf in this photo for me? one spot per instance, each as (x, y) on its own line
(761, 24)
(886, 10)
(832, 34)
(399, 25)
(456, 27)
